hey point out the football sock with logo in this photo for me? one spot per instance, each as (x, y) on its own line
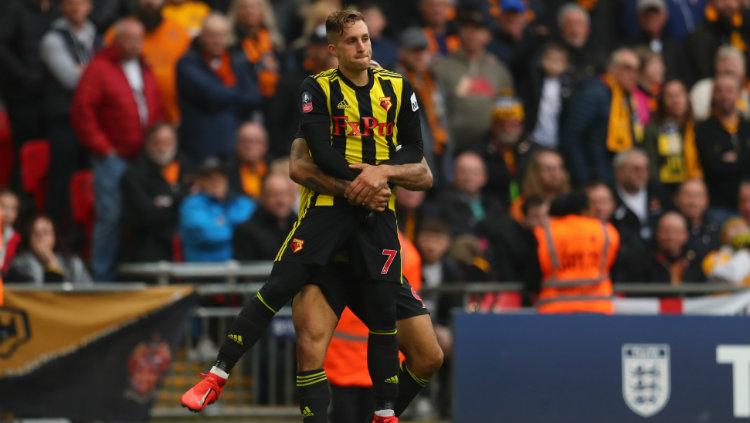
(382, 346)
(314, 395)
(409, 386)
(246, 329)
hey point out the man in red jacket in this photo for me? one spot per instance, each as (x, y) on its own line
(116, 99)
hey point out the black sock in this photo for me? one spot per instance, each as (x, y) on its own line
(409, 386)
(314, 395)
(247, 328)
(382, 362)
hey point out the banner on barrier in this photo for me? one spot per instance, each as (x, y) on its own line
(593, 369)
(88, 356)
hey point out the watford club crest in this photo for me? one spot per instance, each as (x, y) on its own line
(385, 103)
(296, 245)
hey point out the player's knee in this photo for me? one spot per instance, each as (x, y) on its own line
(427, 362)
(311, 350)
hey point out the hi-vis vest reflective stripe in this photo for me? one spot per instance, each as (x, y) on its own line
(575, 255)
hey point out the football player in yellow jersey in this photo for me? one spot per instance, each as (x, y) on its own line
(361, 125)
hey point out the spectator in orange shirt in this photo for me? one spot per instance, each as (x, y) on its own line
(188, 13)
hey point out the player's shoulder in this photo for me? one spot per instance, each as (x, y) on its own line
(326, 74)
(387, 74)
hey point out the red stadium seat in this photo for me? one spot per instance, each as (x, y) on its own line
(6, 150)
(82, 202)
(35, 169)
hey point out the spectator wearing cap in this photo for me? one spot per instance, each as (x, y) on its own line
(116, 100)
(248, 166)
(217, 91)
(209, 216)
(65, 50)
(601, 122)
(437, 19)
(504, 149)
(259, 238)
(257, 36)
(152, 189)
(511, 42)
(282, 110)
(652, 18)
(546, 95)
(726, 23)
(384, 50)
(682, 17)
(414, 63)
(472, 79)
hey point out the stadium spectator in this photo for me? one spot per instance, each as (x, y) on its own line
(574, 29)
(255, 28)
(384, 50)
(503, 150)
(165, 42)
(472, 80)
(511, 42)
(188, 13)
(437, 17)
(650, 81)
(567, 237)
(22, 26)
(682, 17)
(545, 177)
(152, 188)
(410, 212)
(216, 90)
(724, 24)
(41, 259)
(672, 262)
(639, 204)
(692, 201)
(260, 237)
(731, 261)
(600, 123)
(415, 59)
(723, 142)
(248, 166)
(208, 217)
(744, 201)
(669, 139)
(116, 99)
(652, 16)
(10, 238)
(547, 94)
(65, 50)
(731, 62)
(282, 111)
(463, 205)
(601, 201)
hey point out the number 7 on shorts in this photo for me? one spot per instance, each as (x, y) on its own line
(391, 254)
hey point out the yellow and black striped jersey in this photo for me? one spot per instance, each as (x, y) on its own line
(344, 123)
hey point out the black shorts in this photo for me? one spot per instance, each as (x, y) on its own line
(323, 230)
(342, 286)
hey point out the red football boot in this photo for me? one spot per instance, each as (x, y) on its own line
(203, 393)
(380, 419)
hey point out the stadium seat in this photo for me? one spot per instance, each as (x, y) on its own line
(6, 150)
(82, 202)
(35, 169)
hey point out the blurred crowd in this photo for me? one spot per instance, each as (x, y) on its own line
(150, 130)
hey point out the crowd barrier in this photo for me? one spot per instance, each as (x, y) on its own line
(268, 370)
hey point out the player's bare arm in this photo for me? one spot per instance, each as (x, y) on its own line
(415, 177)
(304, 171)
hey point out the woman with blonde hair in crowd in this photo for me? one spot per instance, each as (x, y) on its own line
(254, 26)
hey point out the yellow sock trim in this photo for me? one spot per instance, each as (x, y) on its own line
(260, 297)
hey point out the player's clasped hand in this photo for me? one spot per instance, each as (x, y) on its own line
(371, 180)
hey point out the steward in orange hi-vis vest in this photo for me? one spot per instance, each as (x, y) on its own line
(575, 255)
(346, 357)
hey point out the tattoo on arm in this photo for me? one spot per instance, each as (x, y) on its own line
(414, 177)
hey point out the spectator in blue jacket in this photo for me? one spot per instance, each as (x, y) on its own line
(217, 91)
(208, 217)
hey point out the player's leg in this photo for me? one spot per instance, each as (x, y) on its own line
(314, 322)
(351, 404)
(418, 342)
